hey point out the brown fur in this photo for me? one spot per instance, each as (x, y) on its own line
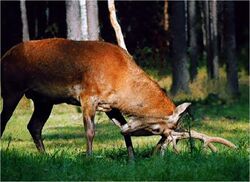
(52, 68)
(95, 75)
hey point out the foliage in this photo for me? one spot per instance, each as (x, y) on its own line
(202, 87)
(65, 143)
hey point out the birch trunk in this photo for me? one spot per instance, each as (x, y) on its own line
(93, 20)
(84, 22)
(24, 21)
(73, 20)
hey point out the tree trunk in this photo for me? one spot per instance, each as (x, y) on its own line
(214, 40)
(36, 27)
(230, 48)
(24, 21)
(203, 26)
(210, 12)
(47, 13)
(166, 18)
(84, 22)
(179, 47)
(73, 20)
(93, 20)
(115, 24)
(208, 39)
(220, 20)
(193, 33)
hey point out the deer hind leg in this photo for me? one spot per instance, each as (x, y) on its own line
(116, 116)
(10, 102)
(39, 117)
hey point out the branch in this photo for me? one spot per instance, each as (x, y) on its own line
(115, 24)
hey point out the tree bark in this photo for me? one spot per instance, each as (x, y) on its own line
(93, 20)
(84, 22)
(115, 24)
(179, 47)
(166, 18)
(203, 26)
(230, 48)
(24, 21)
(208, 39)
(210, 12)
(193, 27)
(214, 40)
(47, 13)
(220, 20)
(73, 20)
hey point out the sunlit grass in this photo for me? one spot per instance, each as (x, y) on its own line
(201, 87)
(65, 144)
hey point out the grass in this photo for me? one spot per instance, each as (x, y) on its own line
(65, 145)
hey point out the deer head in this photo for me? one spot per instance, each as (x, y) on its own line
(167, 128)
(154, 126)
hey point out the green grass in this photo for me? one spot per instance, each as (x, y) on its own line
(65, 145)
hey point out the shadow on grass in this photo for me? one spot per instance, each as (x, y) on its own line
(211, 108)
(67, 166)
(67, 132)
(104, 132)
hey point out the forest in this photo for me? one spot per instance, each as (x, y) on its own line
(197, 51)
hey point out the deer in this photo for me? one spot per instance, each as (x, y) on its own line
(98, 76)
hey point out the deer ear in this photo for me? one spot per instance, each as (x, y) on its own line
(177, 112)
(181, 108)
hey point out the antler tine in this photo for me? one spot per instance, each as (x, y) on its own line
(212, 147)
(164, 146)
(208, 140)
(170, 139)
(222, 141)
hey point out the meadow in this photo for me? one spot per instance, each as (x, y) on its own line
(65, 160)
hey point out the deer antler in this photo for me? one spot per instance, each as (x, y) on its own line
(208, 140)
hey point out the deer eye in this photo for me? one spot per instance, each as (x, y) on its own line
(156, 130)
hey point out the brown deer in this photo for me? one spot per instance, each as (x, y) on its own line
(97, 76)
